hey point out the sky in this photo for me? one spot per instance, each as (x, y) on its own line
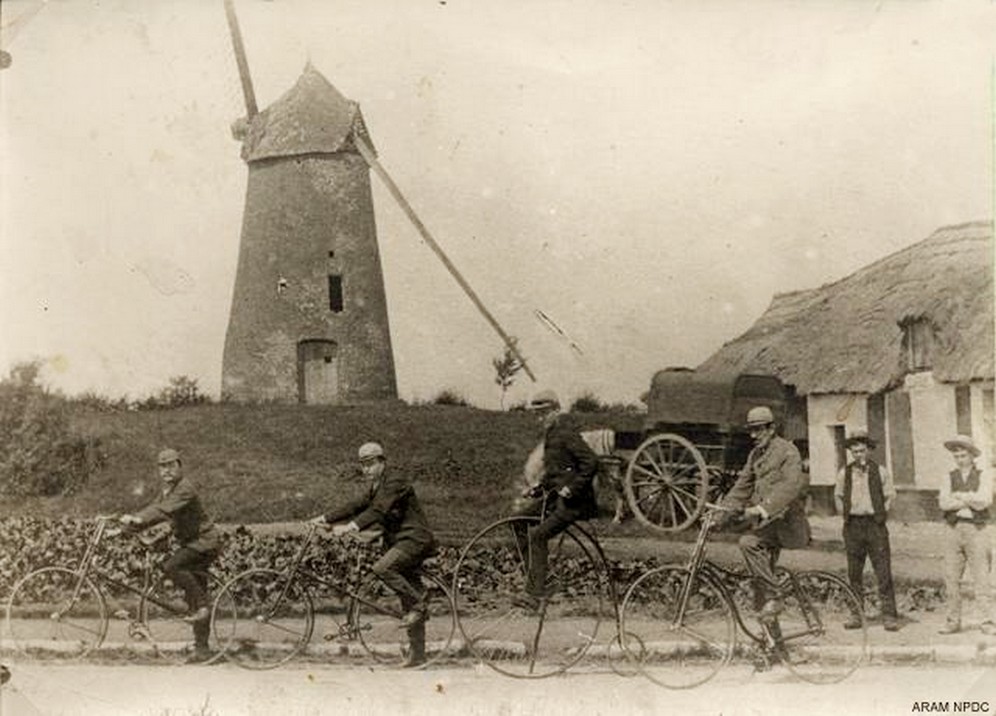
(648, 174)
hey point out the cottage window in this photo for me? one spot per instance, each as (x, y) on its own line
(335, 293)
(839, 435)
(918, 343)
(963, 410)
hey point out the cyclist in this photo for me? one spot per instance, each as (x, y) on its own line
(198, 538)
(769, 493)
(569, 466)
(391, 506)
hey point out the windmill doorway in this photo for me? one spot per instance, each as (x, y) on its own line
(318, 371)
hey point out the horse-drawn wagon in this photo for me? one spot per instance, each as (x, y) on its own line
(693, 443)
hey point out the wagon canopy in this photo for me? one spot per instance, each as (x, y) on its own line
(684, 396)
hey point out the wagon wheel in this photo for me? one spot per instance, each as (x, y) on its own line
(666, 483)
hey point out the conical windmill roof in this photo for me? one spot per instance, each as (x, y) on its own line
(311, 118)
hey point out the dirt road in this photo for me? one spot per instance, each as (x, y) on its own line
(93, 690)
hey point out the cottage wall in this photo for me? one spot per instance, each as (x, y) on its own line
(826, 414)
(932, 405)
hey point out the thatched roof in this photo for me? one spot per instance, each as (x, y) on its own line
(846, 336)
(311, 118)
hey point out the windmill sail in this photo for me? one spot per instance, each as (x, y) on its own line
(367, 153)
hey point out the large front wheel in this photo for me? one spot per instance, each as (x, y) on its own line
(679, 629)
(512, 638)
(53, 611)
(261, 619)
(666, 483)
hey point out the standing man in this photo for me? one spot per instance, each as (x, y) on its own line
(569, 466)
(965, 496)
(198, 538)
(391, 506)
(863, 493)
(771, 492)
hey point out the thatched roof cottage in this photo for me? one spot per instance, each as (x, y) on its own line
(903, 348)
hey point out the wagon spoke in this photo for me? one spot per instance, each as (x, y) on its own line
(643, 470)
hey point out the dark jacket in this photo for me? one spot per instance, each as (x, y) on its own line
(874, 490)
(180, 504)
(568, 461)
(773, 478)
(971, 484)
(391, 504)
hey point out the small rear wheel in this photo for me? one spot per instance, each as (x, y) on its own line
(666, 483)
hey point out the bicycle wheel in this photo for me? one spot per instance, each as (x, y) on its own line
(52, 611)
(678, 648)
(817, 647)
(520, 642)
(160, 620)
(261, 620)
(375, 619)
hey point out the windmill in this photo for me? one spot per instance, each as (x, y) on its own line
(309, 316)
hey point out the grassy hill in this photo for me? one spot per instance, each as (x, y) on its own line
(276, 463)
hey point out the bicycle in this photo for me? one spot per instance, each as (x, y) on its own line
(64, 610)
(265, 617)
(514, 641)
(689, 619)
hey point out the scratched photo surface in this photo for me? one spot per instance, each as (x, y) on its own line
(264, 232)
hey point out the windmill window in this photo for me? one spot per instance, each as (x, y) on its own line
(335, 293)
(918, 343)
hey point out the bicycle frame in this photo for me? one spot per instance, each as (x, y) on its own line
(86, 569)
(342, 593)
(697, 563)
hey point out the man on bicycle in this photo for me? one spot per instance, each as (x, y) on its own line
(769, 493)
(198, 538)
(391, 506)
(569, 466)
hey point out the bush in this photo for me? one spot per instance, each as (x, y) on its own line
(450, 397)
(587, 402)
(39, 454)
(181, 392)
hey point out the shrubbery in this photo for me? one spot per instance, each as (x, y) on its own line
(31, 543)
(39, 454)
(450, 397)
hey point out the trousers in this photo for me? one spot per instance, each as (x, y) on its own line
(967, 544)
(187, 568)
(533, 543)
(865, 538)
(760, 552)
(400, 568)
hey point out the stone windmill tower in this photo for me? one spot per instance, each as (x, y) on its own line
(309, 314)
(308, 321)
